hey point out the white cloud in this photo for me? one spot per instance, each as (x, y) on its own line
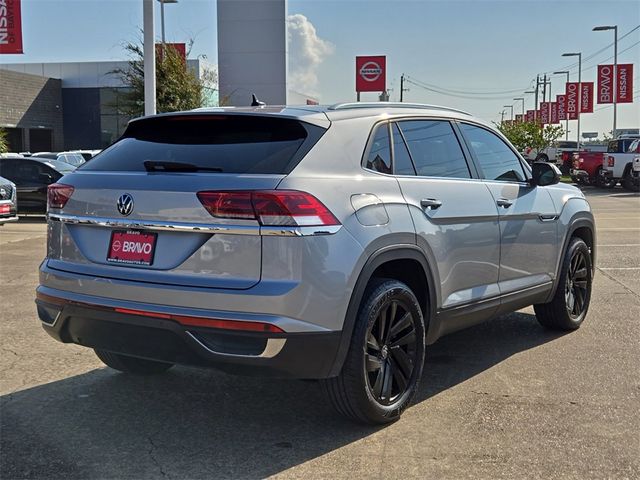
(307, 51)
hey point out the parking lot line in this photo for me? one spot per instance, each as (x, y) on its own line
(620, 245)
(618, 268)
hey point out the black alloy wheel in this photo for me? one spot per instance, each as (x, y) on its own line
(576, 285)
(391, 352)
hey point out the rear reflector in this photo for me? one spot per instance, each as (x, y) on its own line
(238, 325)
(611, 162)
(58, 195)
(269, 207)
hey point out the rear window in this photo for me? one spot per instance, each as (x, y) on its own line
(566, 145)
(211, 143)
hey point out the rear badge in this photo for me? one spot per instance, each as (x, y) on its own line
(125, 204)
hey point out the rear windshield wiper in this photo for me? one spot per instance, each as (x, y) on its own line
(152, 166)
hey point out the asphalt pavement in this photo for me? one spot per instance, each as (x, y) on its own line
(505, 399)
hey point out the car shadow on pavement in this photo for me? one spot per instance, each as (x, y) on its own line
(192, 423)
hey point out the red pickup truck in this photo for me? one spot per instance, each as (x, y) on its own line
(586, 166)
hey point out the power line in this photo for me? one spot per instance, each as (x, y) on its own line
(468, 96)
(466, 92)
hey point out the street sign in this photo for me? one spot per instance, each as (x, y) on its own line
(371, 74)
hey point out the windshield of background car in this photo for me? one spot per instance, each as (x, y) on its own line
(62, 167)
(250, 144)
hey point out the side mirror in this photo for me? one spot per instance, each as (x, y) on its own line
(544, 174)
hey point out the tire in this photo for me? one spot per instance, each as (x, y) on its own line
(628, 182)
(378, 382)
(601, 182)
(570, 303)
(134, 365)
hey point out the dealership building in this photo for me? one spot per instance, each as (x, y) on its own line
(67, 106)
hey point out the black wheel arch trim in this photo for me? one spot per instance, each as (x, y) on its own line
(375, 260)
(578, 221)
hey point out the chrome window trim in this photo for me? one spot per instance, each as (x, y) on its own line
(287, 231)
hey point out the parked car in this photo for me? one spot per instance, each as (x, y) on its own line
(72, 158)
(619, 166)
(8, 207)
(327, 243)
(552, 153)
(87, 154)
(32, 177)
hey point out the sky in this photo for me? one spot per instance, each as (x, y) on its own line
(483, 52)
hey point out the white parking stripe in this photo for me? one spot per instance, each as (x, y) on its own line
(618, 268)
(620, 245)
(621, 228)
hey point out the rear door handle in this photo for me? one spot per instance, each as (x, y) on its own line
(503, 202)
(430, 203)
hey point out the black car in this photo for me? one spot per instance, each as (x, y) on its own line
(7, 201)
(32, 177)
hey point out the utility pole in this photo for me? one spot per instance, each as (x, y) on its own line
(149, 58)
(402, 89)
(544, 88)
(502, 117)
(535, 106)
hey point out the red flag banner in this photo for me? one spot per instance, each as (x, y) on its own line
(561, 100)
(573, 97)
(624, 86)
(519, 118)
(553, 118)
(530, 116)
(605, 84)
(10, 27)
(586, 97)
(545, 108)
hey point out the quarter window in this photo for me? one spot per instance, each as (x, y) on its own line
(496, 159)
(379, 157)
(401, 158)
(435, 149)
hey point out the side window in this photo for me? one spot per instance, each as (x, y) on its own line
(435, 149)
(379, 156)
(402, 164)
(497, 160)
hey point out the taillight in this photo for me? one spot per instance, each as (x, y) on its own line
(58, 195)
(565, 156)
(269, 207)
(611, 162)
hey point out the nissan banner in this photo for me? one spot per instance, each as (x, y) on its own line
(370, 74)
(553, 118)
(605, 83)
(10, 27)
(573, 100)
(624, 85)
(561, 100)
(544, 112)
(530, 116)
(586, 97)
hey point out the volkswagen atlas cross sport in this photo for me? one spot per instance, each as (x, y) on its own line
(329, 243)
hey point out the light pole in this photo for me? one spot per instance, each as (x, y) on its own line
(615, 68)
(566, 120)
(502, 117)
(527, 93)
(511, 107)
(522, 100)
(149, 58)
(162, 2)
(579, 55)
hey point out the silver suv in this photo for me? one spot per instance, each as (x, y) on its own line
(327, 243)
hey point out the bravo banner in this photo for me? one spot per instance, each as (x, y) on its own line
(544, 112)
(586, 97)
(554, 113)
(573, 103)
(605, 83)
(562, 106)
(624, 85)
(10, 27)
(530, 116)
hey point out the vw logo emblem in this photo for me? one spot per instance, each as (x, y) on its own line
(125, 204)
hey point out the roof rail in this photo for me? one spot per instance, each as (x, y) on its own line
(345, 106)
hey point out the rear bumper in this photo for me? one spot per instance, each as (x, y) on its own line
(8, 219)
(95, 325)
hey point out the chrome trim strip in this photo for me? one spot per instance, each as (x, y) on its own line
(8, 219)
(273, 347)
(155, 225)
(287, 231)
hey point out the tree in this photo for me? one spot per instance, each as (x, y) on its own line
(4, 143)
(531, 134)
(177, 86)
